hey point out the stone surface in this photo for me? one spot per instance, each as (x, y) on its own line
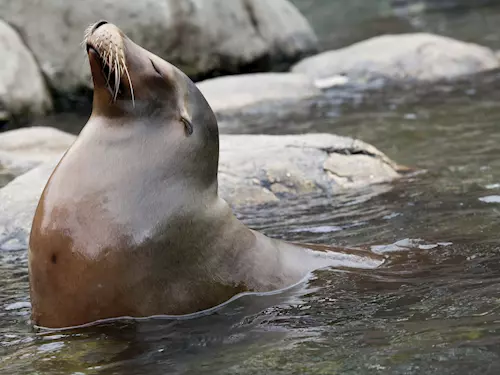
(24, 149)
(202, 37)
(246, 90)
(23, 93)
(254, 169)
(418, 57)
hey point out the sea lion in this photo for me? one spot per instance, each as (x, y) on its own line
(130, 223)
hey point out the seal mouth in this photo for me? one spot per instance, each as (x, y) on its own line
(105, 69)
(111, 74)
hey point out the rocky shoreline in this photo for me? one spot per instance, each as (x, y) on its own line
(269, 45)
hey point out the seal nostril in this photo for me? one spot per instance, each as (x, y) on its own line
(99, 24)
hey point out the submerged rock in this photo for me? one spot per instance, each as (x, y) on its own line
(246, 90)
(202, 37)
(404, 58)
(254, 169)
(23, 93)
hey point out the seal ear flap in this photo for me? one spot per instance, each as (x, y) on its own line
(188, 125)
(186, 120)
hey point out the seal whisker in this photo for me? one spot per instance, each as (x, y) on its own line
(117, 80)
(129, 81)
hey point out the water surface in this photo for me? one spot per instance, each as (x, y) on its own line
(342, 22)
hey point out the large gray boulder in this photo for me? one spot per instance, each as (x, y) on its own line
(202, 37)
(24, 149)
(23, 92)
(231, 93)
(418, 57)
(254, 169)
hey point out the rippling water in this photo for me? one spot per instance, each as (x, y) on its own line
(433, 309)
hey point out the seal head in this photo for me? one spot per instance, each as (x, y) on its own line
(131, 83)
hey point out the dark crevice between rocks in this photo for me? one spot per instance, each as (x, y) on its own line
(348, 151)
(5, 117)
(342, 151)
(70, 113)
(10, 121)
(253, 17)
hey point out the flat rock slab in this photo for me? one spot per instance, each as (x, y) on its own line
(254, 169)
(231, 93)
(418, 57)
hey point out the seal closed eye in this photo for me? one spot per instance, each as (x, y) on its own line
(130, 223)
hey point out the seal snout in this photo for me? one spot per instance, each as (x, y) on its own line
(105, 48)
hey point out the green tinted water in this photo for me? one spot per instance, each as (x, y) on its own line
(433, 309)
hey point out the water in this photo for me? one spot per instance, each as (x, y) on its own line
(433, 309)
(342, 22)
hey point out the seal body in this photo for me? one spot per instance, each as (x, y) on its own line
(130, 223)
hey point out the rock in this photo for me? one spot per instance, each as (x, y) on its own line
(245, 90)
(18, 201)
(202, 37)
(24, 149)
(23, 93)
(254, 169)
(404, 58)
